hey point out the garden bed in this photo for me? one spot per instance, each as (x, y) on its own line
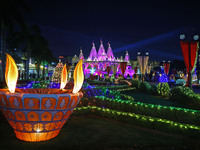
(150, 99)
(91, 132)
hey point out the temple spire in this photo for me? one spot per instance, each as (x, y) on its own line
(93, 45)
(101, 41)
(110, 53)
(93, 52)
(101, 52)
(81, 54)
(127, 58)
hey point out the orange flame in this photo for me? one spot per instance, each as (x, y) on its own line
(63, 77)
(11, 73)
(78, 77)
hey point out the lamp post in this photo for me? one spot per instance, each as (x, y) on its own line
(189, 48)
(143, 61)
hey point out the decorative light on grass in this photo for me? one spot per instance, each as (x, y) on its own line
(141, 119)
(150, 109)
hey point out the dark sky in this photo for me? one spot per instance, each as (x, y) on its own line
(152, 26)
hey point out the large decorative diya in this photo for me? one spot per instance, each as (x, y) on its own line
(39, 114)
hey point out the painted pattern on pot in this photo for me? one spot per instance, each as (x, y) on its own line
(38, 114)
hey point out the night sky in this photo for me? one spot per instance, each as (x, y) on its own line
(152, 26)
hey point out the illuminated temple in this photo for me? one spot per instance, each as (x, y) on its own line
(98, 62)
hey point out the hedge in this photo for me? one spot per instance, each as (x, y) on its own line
(186, 97)
(141, 120)
(171, 113)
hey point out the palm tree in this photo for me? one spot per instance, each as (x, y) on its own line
(9, 16)
(47, 58)
(26, 39)
(42, 54)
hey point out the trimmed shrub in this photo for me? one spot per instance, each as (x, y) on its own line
(171, 113)
(144, 87)
(135, 83)
(163, 89)
(186, 97)
(154, 90)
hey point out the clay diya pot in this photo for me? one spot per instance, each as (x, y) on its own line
(38, 114)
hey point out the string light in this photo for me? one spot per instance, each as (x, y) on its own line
(130, 117)
(172, 113)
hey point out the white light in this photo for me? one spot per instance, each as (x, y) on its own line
(147, 53)
(92, 70)
(182, 36)
(196, 37)
(38, 130)
(138, 53)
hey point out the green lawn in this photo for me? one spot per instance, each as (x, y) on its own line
(90, 132)
(151, 99)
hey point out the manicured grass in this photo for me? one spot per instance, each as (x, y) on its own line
(151, 99)
(90, 132)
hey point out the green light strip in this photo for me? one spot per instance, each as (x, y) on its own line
(151, 105)
(127, 89)
(127, 97)
(139, 117)
(114, 87)
(116, 100)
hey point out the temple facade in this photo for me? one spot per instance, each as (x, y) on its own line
(99, 63)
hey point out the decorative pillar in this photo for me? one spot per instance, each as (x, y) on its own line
(143, 61)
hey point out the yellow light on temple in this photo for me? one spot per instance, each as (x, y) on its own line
(78, 77)
(63, 77)
(11, 73)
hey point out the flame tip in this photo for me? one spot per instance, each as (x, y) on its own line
(11, 73)
(78, 77)
(63, 77)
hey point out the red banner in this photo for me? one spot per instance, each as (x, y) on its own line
(108, 69)
(193, 52)
(166, 67)
(135, 70)
(123, 66)
(174, 71)
(189, 58)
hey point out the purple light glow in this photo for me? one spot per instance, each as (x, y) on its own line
(102, 59)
